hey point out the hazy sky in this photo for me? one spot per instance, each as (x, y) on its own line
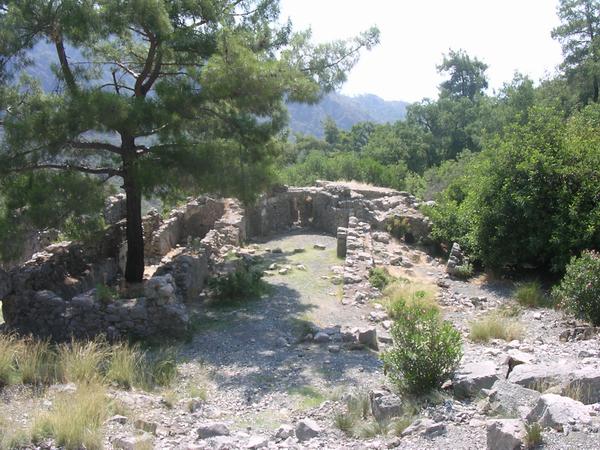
(508, 35)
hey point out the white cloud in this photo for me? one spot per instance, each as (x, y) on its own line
(508, 35)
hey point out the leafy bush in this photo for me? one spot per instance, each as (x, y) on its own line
(531, 294)
(379, 277)
(425, 351)
(579, 290)
(105, 294)
(244, 283)
(464, 272)
(531, 197)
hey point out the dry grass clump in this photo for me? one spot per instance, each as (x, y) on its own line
(532, 295)
(37, 362)
(76, 419)
(495, 326)
(405, 293)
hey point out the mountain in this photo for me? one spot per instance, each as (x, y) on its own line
(345, 111)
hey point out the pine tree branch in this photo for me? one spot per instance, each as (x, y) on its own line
(91, 170)
(96, 146)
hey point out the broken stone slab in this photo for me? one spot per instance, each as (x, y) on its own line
(425, 427)
(505, 434)
(471, 378)
(510, 400)
(557, 412)
(256, 442)
(144, 425)
(133, 442)
(540, 376)
(385, 405)
(368, 337)
(585, 385)
(211, 430)
(283, 432)
(307, 429)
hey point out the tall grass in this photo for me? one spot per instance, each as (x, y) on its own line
(83, 361)
(402, 294)
(36, 362)
(76, 419)
(532, 295)
(495, 326)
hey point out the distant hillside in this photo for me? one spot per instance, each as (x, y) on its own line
(345, 111)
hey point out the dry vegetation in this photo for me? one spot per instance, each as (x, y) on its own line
(76, 415)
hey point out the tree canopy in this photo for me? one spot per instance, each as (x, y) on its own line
(159, 93)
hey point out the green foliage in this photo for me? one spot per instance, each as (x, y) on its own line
(579, 290)
(245, 282)
(531, 294)
(530, 197)
(398, 227)
(467, 76)
(379, 278)
(579, 35)
(464, 271)
(533, 435)
(425, 351)
(70, 202)
(105, 294)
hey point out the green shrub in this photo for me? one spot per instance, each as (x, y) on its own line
(380, 278)
(402, 293)
(533, 435)
(425, 351)
(464, 272)
(105, 294)
(531, 294)
(398, 227)
(244, 283)
(579, 290)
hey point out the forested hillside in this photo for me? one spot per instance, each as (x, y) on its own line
(515, 174)
(344, 111)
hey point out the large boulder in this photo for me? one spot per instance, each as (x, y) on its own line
(210, 430)
(540, 377)
(585, 384)
(368, 337)
(510, 400)
(558, 412)
(471, 378)
(385, 405)
(307, 429)
(505, 434)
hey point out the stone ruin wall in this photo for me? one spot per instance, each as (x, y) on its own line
(54, 294)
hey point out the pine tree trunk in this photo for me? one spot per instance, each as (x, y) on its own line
(134, 269)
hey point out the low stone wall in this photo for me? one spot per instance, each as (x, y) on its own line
(54, 294)
(46, 314)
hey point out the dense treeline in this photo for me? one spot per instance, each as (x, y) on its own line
(515, 175)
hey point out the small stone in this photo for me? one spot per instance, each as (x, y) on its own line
(321, 337)
(283, 271)
(277, 250)
(307, 429)
(284, 432)
(319, 247)
(299, 250)
(144, 425)
(211, 430)
(333, 348)
(473, 377)
(122, 420)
